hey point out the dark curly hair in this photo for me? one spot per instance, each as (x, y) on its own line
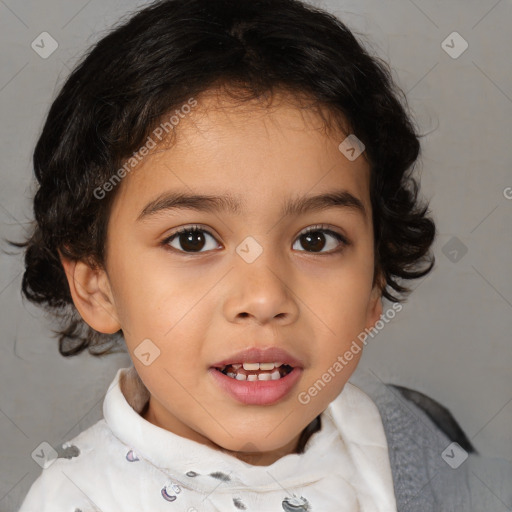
(172, 50)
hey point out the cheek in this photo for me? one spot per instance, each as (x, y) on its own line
(144, 281)
(329, 373)
(340, 300)
(161, 302)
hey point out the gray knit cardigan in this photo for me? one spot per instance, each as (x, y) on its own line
(430, 474)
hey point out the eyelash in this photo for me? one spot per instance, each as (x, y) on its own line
(313, 229)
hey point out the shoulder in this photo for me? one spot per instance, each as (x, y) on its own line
(487, 479)
(438, 414)
(407, 413)
(67, 469)
(432, 459)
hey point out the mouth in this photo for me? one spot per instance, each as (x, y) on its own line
(272, 363)
(258, 376)
(256, 371)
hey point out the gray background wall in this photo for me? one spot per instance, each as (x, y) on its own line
(452, 340)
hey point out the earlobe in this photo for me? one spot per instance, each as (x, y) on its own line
(92, 295)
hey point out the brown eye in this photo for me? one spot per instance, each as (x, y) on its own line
(315, 240)
(190, 240)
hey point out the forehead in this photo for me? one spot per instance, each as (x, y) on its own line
(252, 150)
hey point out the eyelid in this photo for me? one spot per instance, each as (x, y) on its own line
(187, 228)
(343, 240)
(326, 228)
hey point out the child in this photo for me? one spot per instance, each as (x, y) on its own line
(225, 187)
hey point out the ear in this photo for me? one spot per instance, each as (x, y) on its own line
(374, 311)
(92, 295)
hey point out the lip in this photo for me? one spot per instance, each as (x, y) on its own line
(257, 355)
(259, 392)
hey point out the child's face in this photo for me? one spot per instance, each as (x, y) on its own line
(202, 306)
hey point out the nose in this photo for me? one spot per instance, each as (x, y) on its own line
(261, 292)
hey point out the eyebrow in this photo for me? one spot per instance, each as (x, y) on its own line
(169, 201)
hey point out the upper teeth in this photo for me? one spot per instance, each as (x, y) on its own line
(259, 366)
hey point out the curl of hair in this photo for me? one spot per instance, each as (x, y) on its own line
(173, 50)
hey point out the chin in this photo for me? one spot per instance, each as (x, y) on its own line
(256, 446)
